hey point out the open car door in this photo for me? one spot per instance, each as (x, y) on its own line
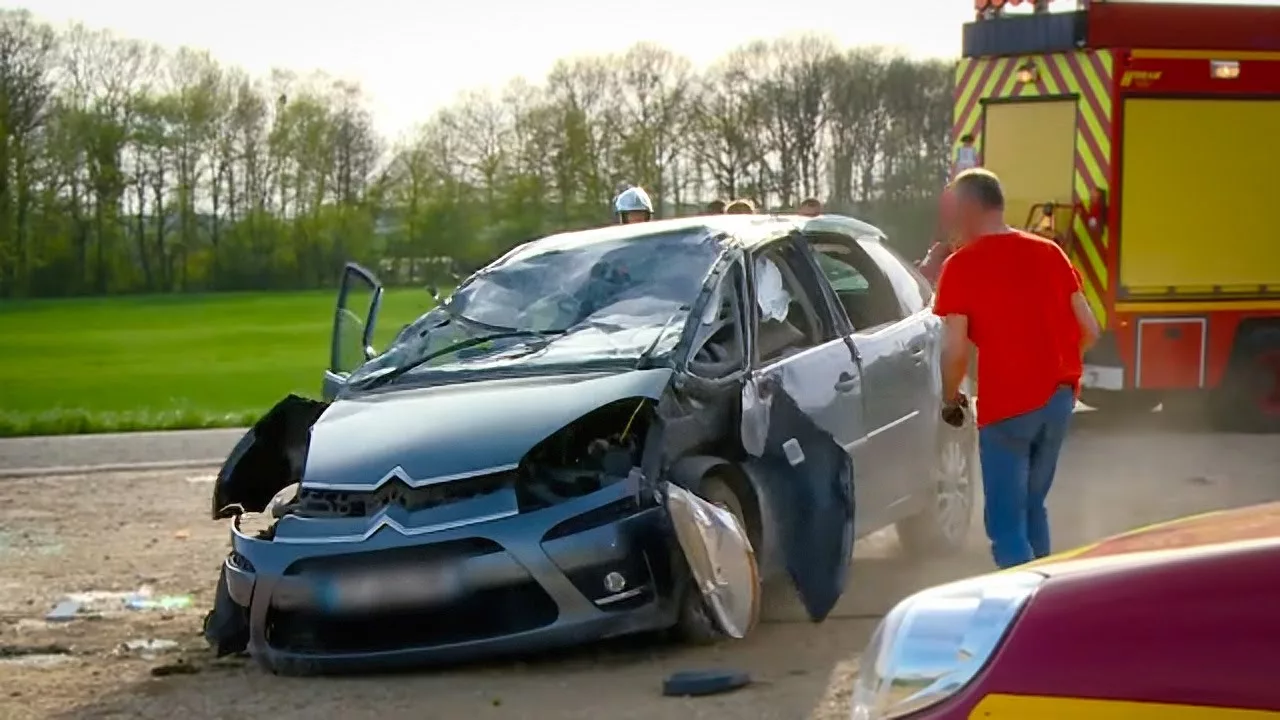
(809, 479)
(359, 298)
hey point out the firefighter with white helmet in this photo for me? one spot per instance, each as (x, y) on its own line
(632, 205)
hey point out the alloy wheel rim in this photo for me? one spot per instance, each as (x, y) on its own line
(953, 481)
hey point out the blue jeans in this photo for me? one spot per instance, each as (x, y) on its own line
(1019, 458)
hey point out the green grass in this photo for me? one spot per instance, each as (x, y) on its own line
(168, 362)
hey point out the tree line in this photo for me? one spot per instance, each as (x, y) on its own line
(127, 168)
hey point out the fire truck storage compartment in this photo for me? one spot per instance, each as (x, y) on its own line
(1031, 146)
(1171, 353)
(1198, 201)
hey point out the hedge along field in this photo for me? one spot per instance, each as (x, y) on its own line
(169, 362)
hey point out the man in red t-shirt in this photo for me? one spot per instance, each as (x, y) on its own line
(1018, 299)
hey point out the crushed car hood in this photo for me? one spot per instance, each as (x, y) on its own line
(1223, 530)
(436, 433)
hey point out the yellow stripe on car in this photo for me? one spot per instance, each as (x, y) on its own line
(1033, 707)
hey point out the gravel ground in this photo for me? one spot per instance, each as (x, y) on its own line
(121, 531)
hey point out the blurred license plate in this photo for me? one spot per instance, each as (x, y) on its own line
(408, 587)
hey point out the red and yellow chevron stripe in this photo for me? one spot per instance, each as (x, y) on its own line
(1085, 75)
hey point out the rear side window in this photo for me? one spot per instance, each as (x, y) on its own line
(911, 287)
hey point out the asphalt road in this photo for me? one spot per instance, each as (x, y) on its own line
(69, 451)
(190, 447)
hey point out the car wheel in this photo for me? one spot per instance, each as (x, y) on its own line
(696, 625)
(1249, 399)
(943, 525)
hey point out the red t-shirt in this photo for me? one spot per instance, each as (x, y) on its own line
(1015, 289)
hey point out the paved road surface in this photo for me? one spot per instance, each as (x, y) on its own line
(71, 451)
(116, 448)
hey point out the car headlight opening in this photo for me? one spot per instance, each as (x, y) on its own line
(934, 643)
(282, 499)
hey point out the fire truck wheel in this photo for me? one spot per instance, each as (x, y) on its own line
(942, 526)
(1249, 398)
(1124, 403)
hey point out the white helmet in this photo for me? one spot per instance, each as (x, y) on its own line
(633, 199)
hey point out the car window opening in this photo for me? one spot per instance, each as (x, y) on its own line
(801, 326)
(719, 343)
(866, 295)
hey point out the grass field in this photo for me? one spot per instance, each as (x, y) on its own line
(168, 362)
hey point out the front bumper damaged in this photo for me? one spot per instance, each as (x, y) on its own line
(597, 566)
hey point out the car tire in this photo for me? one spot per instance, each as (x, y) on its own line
(695, 625)
(942, 527)
(1248, 399)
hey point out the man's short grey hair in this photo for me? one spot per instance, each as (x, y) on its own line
(981, 186)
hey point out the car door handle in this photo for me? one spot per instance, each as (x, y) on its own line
(846, 383)
(916, 348)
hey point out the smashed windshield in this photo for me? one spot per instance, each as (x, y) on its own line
(561, 299)
(551, 287)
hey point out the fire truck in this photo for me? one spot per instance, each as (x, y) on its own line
(1145, 138)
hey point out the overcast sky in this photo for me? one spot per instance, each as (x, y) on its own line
(413, 57)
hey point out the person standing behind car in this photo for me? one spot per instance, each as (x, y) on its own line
(632, 205)
(1017, 297)
(810, 207)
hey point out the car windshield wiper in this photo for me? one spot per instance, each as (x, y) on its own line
(460, 345)
(645, 357)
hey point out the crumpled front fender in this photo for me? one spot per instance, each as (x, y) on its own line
(269, 458)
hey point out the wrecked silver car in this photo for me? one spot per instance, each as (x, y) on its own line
(603, 432)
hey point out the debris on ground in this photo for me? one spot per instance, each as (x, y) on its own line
(34, 655)
(65, 610)
(168, 602)
(694, 683)
(147, 648)
(183, 534)
(96, 603)
(181, 667)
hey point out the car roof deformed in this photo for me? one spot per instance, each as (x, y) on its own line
(745, 231)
